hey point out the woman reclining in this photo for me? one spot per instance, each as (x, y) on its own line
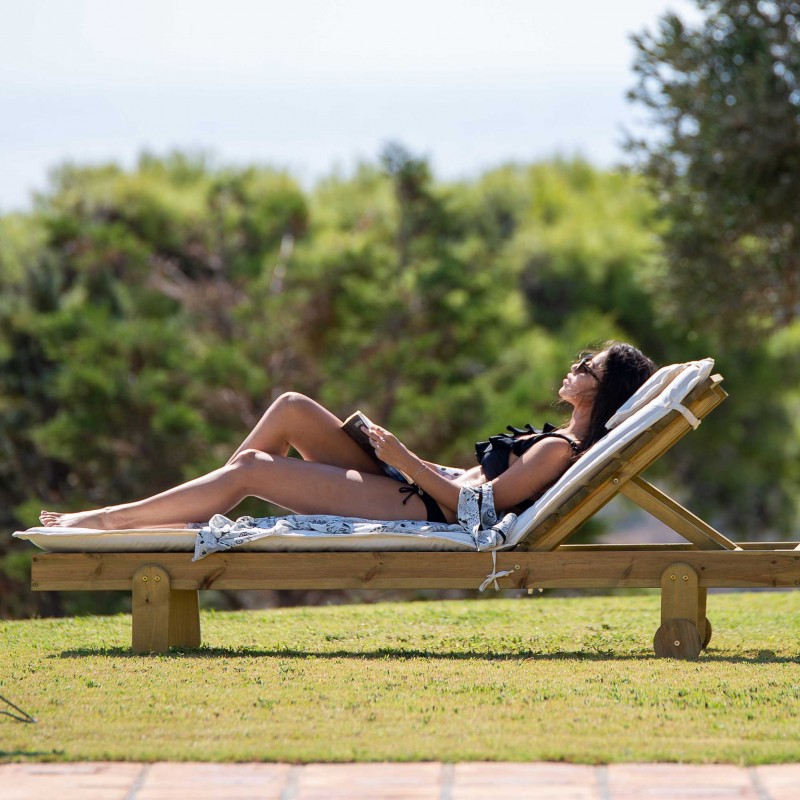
(335, 476)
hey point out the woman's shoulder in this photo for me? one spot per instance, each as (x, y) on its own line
(550, 436)
(557, 441)
(553, 449)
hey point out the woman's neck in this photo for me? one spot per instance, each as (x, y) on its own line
(578, 425)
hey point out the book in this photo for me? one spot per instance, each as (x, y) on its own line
(356, 426)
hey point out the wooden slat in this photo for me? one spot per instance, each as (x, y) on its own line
(629, 547)
(675, 516)
(574, 511)
(701, 401)
(561, 568)
(675, 546)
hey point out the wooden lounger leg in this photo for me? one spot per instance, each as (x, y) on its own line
(151, 610)
(678, 636)
(703, 625)
(184, 618)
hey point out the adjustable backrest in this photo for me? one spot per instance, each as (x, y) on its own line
(629, 449)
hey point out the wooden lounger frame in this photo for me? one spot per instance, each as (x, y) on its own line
(165, 586)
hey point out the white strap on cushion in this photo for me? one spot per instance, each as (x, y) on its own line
(666, 377)
(690, 418)
(494, 575)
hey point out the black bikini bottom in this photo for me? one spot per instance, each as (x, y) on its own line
(433, 512)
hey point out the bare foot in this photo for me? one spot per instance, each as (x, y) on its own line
(96, 519)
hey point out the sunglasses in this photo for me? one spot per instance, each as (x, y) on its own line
(583, 366)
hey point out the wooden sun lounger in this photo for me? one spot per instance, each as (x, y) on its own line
(165, 586)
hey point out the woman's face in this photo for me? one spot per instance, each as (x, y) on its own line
(580, 385)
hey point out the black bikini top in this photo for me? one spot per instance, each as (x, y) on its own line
(493, 455)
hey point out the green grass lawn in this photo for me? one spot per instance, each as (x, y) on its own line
(558, 679)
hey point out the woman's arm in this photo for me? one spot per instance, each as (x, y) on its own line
(530, 475)
(389, 448)
(537, 469)
(451, 473)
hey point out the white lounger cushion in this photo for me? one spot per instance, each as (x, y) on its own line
(83, 540)
(647, 392)
(663, 393)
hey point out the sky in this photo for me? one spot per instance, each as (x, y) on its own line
(314, 86)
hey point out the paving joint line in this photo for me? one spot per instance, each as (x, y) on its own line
(601, 776)
(448, 772)
(755, 780)
(289, 791)
(138, 782)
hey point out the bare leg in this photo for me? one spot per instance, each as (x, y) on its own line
(301, 486)
(216, 492)
(292, 420)
(297, 421)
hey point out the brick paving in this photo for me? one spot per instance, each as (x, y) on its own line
(430, 781)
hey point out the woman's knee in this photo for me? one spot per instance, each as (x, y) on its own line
(291, 398)
(246, 465)
(249, 458)
(245, 457)
(292, 401)
(294, 406)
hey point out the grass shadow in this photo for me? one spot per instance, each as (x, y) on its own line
(383, 654)
(30, 753)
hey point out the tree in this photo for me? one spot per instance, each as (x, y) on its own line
(725, 160)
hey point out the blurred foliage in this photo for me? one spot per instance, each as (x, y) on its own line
(724, 155)
(149, 316)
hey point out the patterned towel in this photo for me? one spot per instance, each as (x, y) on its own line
(479, 526)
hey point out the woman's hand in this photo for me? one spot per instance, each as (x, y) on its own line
(392, 451)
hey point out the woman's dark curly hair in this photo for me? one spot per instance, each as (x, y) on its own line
(626, 369)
